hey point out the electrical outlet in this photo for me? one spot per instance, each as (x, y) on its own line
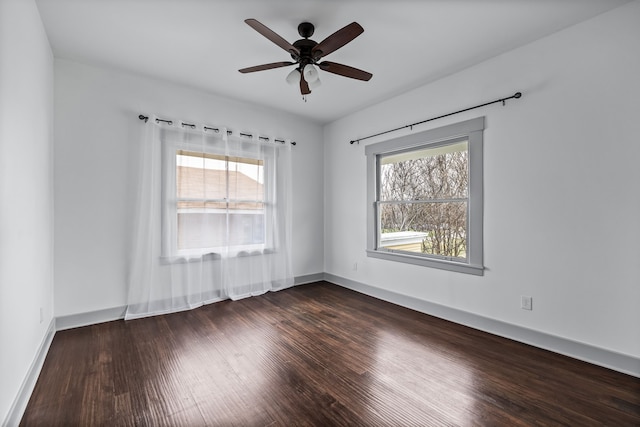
(526, 302)
(355, 266)
(41, 315)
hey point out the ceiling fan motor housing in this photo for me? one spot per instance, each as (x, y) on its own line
(305, 46)
(306, 29)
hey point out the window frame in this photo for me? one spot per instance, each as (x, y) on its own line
(472, 130)
(169, 249)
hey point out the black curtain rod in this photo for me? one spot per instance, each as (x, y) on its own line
(514, 96)
(216, 130)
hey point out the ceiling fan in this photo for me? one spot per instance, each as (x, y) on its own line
(307, 53)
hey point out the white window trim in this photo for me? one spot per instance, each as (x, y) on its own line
(473, 131)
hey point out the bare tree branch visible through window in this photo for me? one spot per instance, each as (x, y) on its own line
(428, 195)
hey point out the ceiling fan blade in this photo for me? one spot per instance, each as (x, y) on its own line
(271, 35)
(336, 40)
(304, 86)
(344, 70)
(266, 67)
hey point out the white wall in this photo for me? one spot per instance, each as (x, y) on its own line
(26, 213)
(96, 120)
(561, 171)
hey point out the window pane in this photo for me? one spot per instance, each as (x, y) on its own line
(201, 228)
(246, 181)
(426, 228)
(210, 225)
(206, 176)
(246, 223)
(199, 177)
(426, 174)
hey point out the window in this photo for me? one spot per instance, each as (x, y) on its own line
(214, 204)
(425, 198)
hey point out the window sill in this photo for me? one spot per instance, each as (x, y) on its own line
(458, 267)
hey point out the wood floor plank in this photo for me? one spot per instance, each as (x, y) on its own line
(316, 355)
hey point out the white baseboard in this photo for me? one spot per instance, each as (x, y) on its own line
(598, 356)
(90, 318)
(117, 313)
(28, 384)
(309, 278)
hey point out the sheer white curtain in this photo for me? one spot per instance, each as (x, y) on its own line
(213, 218)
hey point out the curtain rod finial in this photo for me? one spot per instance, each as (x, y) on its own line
(517, 95)
(145, 118)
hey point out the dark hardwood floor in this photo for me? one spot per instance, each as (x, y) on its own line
(316, 355)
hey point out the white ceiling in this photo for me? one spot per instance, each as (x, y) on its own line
(202, 43)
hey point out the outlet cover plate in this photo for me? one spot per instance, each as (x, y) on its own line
(526, 302)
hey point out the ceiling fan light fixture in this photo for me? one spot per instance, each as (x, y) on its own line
(314, 84)
(293, 77)
(310, 73)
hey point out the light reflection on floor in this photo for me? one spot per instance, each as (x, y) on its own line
(408, 370)
(240, 372)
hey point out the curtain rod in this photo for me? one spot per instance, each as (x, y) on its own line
(514, 96)
(216, 130)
